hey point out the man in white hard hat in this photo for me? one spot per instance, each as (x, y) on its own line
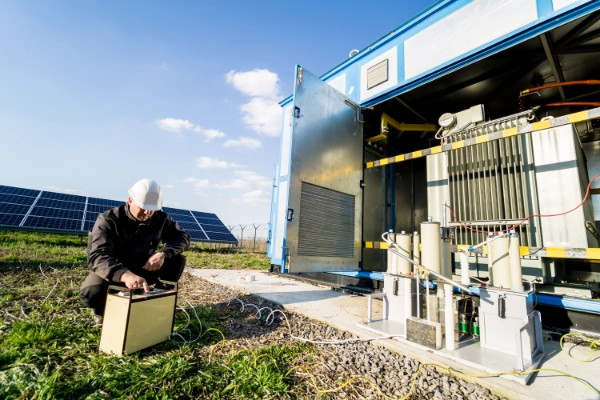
(123, 247)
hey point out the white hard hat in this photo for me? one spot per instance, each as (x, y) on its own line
(146, 194)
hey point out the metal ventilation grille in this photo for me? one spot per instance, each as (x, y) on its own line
(492, 187)
(326, 227)
(377, 74)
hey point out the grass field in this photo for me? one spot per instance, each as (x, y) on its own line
(48, 346)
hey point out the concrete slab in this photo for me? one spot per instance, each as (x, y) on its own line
(345, 311)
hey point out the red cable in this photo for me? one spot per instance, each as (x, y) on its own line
(560, 84)
(587, 193)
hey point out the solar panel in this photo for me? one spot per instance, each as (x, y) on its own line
(66, 205)
(17, 209)
(53, 223)
(183, 218)
(19, 191)
(65, 212)
(63, 197)
(15, 199)
(56, 213)
(11, 219)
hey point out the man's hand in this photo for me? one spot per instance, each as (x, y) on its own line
(132, 281)
(155, 262)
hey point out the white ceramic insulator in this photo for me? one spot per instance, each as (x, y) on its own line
(501, 263)
(403, 266)
(516, 277)
(392, 258)
(416, 252)
(446, 261)
(449, 318)
(431, 244)
(464, 268)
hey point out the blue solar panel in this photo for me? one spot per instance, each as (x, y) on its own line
(184, 218)
(11, 219)
(197, 235)
(176, 211)
(60, 211)
(215, 228)
(65, 205)
(90, 216)
(88, 225)
(96, 208)
(210, 221)
(188, 226)
(6, 208)
(105, 202)
(56, 213)
(63, 197)
(15, 199)
(53, 223)
(19, 191)
(222, 237)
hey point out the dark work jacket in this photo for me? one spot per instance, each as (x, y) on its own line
(118, 242)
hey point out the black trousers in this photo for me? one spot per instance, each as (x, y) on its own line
(94, 288)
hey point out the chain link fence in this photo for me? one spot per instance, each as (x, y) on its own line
(251, 236)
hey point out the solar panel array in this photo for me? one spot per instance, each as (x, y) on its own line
(67, 213)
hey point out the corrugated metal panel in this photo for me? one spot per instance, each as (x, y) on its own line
(377, 74)
(326, 226)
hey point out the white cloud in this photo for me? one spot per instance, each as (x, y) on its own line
(246, 180)
(61, 190)
(199, 185)
(209, 134)
(207, 162)
(243, 141)
(256, 83)
(262, 114)
(164, 66)
(174, 125)
(169, 186)
(172, 204)
(254, 198)
(181, 125)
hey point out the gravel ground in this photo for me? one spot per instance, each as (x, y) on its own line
(332, 364)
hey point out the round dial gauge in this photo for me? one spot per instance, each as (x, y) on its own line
(447, 120)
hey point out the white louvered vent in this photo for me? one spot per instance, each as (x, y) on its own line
(377, 74)
(326, 227)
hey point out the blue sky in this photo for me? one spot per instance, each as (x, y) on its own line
(95, 95)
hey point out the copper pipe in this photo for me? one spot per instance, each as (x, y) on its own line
(560, 84)
(570, 104)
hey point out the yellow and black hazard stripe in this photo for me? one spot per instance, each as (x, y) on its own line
(536, 126)
(546, 252)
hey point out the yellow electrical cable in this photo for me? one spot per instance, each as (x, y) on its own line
(593, 346)
(266, 355)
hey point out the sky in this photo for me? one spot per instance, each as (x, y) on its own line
(95, 95)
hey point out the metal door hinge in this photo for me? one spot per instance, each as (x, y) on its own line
(299, 75)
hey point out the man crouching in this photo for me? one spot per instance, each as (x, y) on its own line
(123, 247)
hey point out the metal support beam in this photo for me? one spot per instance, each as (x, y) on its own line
(409, 108)
(553, 61)
(569, 37)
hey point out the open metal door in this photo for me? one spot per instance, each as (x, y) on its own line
(324, 220)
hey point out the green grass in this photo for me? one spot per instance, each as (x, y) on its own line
(48, 347)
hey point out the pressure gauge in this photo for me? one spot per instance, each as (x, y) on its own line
(447, 120)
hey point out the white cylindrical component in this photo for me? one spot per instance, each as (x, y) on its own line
(449, 318)
(391, 260)
(416, 251)
(406, 288)
(490, 263)
(403, 266)
(464, 268)
(501, 263)
(516, 277)
(431, 243)
(446, 260)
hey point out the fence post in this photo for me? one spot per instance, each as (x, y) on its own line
(255, 228)
(242, 237)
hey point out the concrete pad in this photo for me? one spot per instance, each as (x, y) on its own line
(345, 311)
